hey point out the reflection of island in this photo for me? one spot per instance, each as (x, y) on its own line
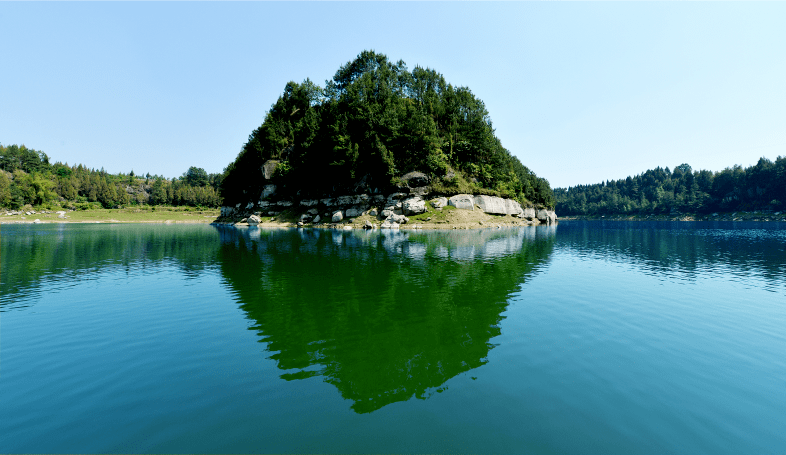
(383, 315)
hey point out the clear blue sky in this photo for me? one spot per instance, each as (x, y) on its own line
(580, 92)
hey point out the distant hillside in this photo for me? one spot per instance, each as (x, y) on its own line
(374, 122)
(28, 178)
(758, 187)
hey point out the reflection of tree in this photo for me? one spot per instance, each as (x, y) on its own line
(689, 248)
(33, 254)
(382, 316)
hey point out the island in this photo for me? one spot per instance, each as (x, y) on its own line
(380, 146)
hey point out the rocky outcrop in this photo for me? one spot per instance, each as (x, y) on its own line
(413, 206)
(497, 205)
(462, 201)
(415, 179)
(439, 202)
(547, 216)
(393, 209)
(269, 169)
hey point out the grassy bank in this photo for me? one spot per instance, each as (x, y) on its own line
(158, 214)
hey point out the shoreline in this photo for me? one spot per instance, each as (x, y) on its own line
(718, 216)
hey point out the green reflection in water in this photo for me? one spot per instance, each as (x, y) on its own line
(383, 316)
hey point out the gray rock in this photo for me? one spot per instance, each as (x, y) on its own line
(373, 212)
(400, 219)
(337, 216)
(345, 200)
(269, 168)
(491, 204)
(413, 206)
(285, 203)
(439, 202)
(312, 211)
(253, 219)
(63, 214)
(415, 179)
(462, 201)
(305, 218)
(317, 218)
(542, 215)
(514, 208)
(368, 225)
(36, 221)
(352, 212)
(309, 202)
(267, 191)
(300, 224)
(328, 202)
(528, 213)
(387, 213)
(396, 197)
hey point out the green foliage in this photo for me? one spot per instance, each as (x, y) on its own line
(27, 177)
(660, 191)
(373, 122)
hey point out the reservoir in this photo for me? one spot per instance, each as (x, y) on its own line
(584, 337)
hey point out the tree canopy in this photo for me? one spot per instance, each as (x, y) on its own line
(761, 186)
(372, 123)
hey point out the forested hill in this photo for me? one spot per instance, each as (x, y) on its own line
(372, 123)
(658, 191)
(28, 178)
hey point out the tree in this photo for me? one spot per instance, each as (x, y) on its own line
(196, 176)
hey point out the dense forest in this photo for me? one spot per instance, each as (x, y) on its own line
(28, 178)
(372, 123)
(662, 191)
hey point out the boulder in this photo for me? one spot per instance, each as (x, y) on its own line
(337, 216)
(267, 191)
(462, 201)
(387, 212)
(63, 214)
(353, 212)
(514, 208)
(492, 204)
(254, 220)
(317, 218)
(269, 168)
(309, 202)
(400, 219)
(328, 202)
(305, 218)
(368, 225)
(413, 206)
(373, 212)
(439, 202)
(415, 179)
(528, 213)
(396, 197)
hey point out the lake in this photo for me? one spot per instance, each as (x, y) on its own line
(585, 337)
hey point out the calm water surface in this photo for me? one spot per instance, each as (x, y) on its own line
(588, 337)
